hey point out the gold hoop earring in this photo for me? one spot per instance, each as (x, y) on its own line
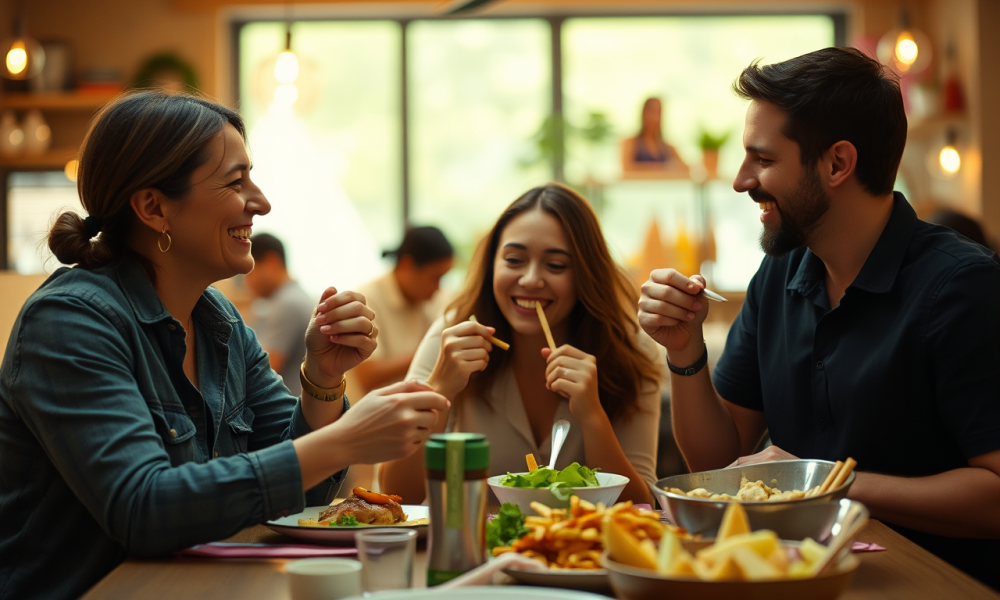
(159, 241)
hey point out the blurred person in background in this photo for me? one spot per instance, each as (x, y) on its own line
(406, 300)
(138, 414)
(648, 151)
(282, 309)
(963, 224)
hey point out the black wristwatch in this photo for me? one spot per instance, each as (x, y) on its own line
(689, 371)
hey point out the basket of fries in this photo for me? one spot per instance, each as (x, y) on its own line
(570, 541)
(739, 563)
(794, 498)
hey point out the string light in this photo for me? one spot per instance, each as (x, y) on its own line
(23, 56)
(905, 49)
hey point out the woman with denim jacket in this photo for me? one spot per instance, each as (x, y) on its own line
(138, 413)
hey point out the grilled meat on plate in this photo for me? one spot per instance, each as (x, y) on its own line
(369, 508)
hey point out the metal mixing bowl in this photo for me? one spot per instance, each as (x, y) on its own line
(790, 519)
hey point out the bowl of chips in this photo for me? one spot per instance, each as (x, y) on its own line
(739, 563)
(787, 497)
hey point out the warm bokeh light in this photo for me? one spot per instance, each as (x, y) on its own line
(285, 95)
(906, 48)
(17, 58)
(286, 69)
(950, 160)
(71, 168)
(16, 137)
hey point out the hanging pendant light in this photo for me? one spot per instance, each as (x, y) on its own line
(906, 50)
(944, 162)
(286, 71)
(949, 158)
(23, 57)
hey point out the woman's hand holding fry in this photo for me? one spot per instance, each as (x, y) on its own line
(572, 373)
(465, 349)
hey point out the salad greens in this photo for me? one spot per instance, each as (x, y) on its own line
(346, 521)
(506, 527)
(560, 483)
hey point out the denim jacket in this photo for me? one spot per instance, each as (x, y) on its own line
(106, 448)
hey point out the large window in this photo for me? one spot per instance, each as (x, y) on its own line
(612, 65)
(330, 162)
(465, 135)
(479, 91)
(34, 201)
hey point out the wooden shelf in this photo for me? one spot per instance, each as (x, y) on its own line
(934, 123)
(53, 160)
(64, 101)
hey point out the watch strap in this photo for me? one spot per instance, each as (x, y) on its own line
(693, 369)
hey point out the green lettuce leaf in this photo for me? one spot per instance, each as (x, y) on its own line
(560, 483)
(347, 521)
(506, 527)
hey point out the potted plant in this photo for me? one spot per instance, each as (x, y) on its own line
(710, 144)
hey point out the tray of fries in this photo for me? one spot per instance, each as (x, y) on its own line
(739, 563)
(570, 542)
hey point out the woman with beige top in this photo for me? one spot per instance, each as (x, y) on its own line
(603, 377)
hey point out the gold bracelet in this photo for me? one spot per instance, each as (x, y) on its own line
(322, 394)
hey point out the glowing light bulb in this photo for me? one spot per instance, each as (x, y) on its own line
(950, 160)
(906, 49)
(71, 168)
(17, 58)
(286, 94)
(286, 68)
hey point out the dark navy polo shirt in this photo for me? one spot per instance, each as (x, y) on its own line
(903, 375)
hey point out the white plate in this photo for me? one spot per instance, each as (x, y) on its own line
(500, 592)
(290, 525)
(588, 580)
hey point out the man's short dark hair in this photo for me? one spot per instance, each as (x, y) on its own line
(831, 95)
(264, 243)
(424, 245)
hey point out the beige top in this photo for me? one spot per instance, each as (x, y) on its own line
(505, 422)
(401, 325)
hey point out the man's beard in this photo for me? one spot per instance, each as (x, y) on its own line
(799, 215)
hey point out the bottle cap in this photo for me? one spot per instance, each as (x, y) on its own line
(476, 450)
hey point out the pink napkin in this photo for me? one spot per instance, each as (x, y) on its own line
(228, 550)
(867, 547)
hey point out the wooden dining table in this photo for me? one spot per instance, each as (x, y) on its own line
(903, 571)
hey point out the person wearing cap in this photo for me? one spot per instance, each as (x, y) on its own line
(406, 300)
(282, 310)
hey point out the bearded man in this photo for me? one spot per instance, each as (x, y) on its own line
(865, 332)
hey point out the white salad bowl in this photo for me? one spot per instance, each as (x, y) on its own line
(607, 493)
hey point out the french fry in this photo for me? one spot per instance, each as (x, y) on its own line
(496, 342)
(532, 465)
(545, 326)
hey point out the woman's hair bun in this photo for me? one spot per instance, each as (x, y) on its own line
(70, 242)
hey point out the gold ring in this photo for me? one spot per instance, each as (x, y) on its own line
(373, 329)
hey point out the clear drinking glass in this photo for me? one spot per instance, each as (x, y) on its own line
(387, 556)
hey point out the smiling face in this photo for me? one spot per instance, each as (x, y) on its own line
(790, 195)
(533, 264)
(211, 225)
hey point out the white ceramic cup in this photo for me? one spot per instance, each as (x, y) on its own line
(324, 578)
